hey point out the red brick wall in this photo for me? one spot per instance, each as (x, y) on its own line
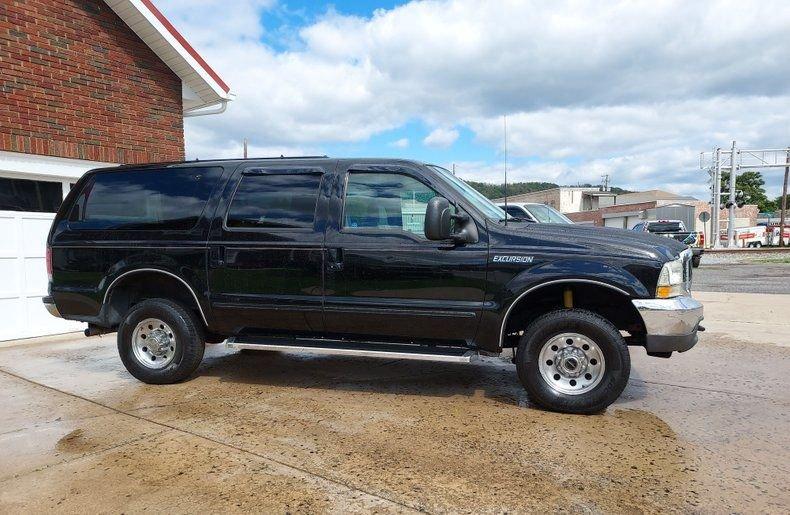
(76, 82)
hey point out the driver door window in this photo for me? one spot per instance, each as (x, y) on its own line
(386, 201)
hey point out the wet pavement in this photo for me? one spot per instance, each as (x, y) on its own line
(705, 431)
(743, 277)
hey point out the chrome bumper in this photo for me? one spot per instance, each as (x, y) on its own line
(51, 307)
(671, 324)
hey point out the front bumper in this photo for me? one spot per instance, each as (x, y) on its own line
(51, 307)
(671, 324)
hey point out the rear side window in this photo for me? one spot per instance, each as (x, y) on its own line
(275, 201)
(146, 199)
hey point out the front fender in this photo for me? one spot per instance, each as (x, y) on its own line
(609, 274)
(613, 273)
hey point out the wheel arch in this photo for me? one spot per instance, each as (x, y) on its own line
(124, 278)
(523, 298)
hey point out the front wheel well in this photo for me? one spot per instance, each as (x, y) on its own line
(613, 305)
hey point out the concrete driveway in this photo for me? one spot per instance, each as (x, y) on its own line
(705, 431)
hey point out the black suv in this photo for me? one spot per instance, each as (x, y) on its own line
(367, 257)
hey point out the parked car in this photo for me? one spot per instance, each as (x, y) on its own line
(535, 213)
(676, 230)
(371, 257)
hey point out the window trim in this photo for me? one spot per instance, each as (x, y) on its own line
(342, 229)
(256, 172)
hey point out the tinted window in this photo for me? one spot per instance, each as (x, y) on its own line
(664, 227)
(146, 199)
(275, 201)
(27, 195)
(386, 201)
(515, 211)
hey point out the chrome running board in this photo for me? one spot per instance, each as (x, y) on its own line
(370, 350)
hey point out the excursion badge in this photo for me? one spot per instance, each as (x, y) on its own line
(512, 259)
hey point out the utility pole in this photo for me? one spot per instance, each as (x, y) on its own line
(715, 212)
(731, 200)
(784, 202)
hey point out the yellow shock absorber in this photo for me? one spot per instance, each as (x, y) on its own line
(567, 298)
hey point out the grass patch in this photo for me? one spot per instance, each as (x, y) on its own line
(785, 260)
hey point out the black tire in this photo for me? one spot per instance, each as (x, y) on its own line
(188, 345)
(592, 326)
(695, 261)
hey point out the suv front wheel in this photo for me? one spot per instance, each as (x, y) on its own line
(160, 342)
(573, 361)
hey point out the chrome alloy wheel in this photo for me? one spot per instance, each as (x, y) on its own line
(153, 343)
(571, 363)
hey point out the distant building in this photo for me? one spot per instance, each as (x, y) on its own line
(567, 199)
(587, 205)
(631, 208)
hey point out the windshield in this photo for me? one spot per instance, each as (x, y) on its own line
(547, 214)
(485, 206)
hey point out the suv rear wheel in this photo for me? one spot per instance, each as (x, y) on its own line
(160, 341)
(573, 361)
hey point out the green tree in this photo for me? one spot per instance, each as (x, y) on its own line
(493, 191)
(777, 204)
(752, 185)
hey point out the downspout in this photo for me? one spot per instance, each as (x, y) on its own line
(197, 111)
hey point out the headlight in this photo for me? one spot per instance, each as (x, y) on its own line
(672, 279)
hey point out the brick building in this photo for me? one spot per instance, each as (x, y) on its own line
(83, 83)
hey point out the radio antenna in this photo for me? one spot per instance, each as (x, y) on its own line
(504, 126)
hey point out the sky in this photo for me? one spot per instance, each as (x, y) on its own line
(635, 90)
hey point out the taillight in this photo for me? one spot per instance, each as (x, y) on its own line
(49, 262)
(701, 239)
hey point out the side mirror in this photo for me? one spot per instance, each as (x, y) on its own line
(438, 219)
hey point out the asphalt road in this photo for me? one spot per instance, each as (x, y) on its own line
(707, 431)
(742, 277)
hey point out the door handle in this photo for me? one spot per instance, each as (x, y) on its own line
(335, 262)
(217, 256)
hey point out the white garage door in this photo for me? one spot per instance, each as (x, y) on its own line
(23, 277)
(616, 221)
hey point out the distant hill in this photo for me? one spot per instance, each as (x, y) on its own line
(493, 191)
(516, 188)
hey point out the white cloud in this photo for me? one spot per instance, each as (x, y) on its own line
(441, 138)
(400, 143)
(635, 88)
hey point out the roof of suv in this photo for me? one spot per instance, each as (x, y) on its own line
(262, 160)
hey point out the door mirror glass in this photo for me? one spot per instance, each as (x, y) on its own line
(438, 219)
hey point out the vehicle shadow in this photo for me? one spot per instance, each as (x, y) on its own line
(491, 377)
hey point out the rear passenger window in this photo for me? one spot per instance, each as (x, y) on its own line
(275, 201)
(169, 198)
